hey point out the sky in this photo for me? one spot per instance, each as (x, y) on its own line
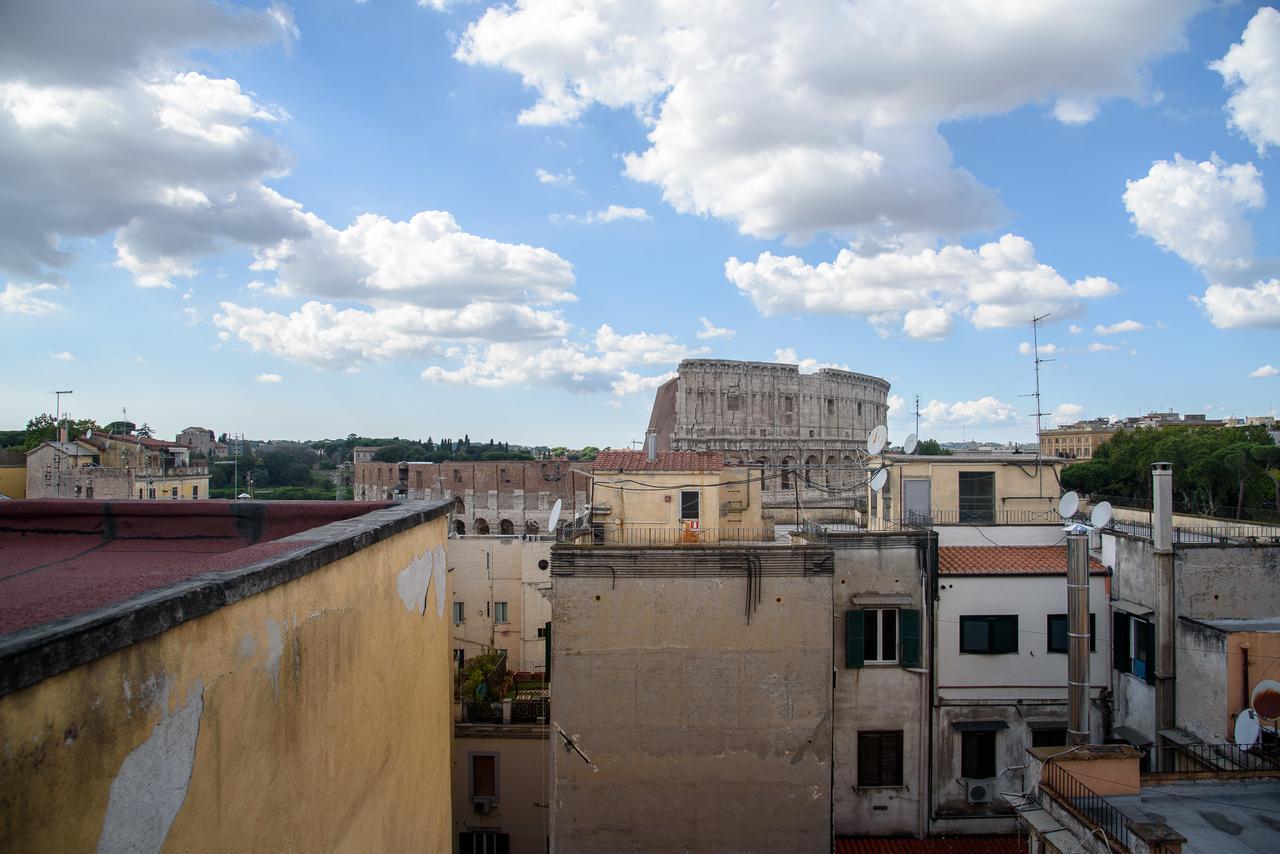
(398, 218)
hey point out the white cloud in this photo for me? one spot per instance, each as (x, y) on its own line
(1099, 347)
(1026, 349)
(556, 179)
(793, 119)
(613, 213)
(984, 411)
(1000, 284)
(64, 356)
(1235, 307)
(1265, 371)
(1066, 413)
(1197, 211)
(268, 378)
(1250, 69)
(1075, 329)
(897, 405)
(930, 324)
(603, 363)
(1118, 328)
(22, 299)
(788, 356)
(710, 330)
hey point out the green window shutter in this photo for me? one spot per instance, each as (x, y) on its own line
(853, 638)
(909, 636)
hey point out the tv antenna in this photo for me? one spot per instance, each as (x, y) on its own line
(57, 406)
(1035, 350)
(917, 433)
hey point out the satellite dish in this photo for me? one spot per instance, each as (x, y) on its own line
(876, 441)
(1265, 699)
(1101, 514)
(878, 479)
(1247, 729)
(1068, 505)
(555, 516)
(88, 434)
(909, 446)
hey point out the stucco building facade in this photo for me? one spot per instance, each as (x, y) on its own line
(499, 593)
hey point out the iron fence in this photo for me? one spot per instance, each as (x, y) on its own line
(611, 536)
(1212, 534)
(1093, 809)
(531, 711)
(1216, 760)
(481, 712)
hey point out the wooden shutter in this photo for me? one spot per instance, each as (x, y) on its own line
(909, 637)
(853, 655)
(869, 751)
(1120, 641)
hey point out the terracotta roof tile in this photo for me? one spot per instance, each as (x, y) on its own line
(1008, 560)
(665, 461)
(932, 845)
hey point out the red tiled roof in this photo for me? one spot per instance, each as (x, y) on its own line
(1008, 560)
(932, 845)
(665, 461)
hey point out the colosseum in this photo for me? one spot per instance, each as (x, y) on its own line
(809, 431)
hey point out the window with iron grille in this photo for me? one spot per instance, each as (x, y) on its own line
(879, 759)
(689, 505)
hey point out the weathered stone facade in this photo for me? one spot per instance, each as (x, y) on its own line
(501, 497)
(812, 427)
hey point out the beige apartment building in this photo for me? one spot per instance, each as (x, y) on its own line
(1079, 441)
(675, 496)
(499, 601)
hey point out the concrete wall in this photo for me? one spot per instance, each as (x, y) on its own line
(1000, 535)
(1201, 689)
(313, 716)
(524, 784)
(517, 580)
(1135, 704)
(699, 730)
(1228, 581)
(879, 571)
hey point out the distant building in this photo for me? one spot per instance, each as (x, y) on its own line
(363, 453)
(807, 431)
(1078, 441)
(115, 466)
(499, 598)
(199, 439)
(70, 470)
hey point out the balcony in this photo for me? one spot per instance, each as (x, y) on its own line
(621, 534)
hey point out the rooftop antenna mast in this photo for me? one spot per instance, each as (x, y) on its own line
(57, 406)
(1035, 350)
(917, 415)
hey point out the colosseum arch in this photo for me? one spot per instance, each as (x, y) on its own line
(810, 463)
(831, 477)
(506, 528)
(788, 472)
(459, 508)
(531, 527)
(460, 527)
(482, 527)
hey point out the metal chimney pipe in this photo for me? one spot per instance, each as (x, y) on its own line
(1162, 506)
(1078, 635)
(651, 444)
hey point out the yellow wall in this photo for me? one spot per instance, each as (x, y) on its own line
(13, 481)
(164, 487)
(1264, 663)
(1014, 489)
(651, 500)
(320, 712)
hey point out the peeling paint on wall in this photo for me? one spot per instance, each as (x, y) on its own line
(152, 784)
(413, 582)
(275, 648)
(440, 581)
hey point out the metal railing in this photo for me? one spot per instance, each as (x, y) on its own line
(1093, 810)
(608, 535)
(1216, 760)
(971, 516)
(1219, 534)
(481, 712)
(530, 710)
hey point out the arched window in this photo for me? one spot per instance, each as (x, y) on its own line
(531, 527)
(846, 474)
(809, 464)
(458, 507)
(482, 527)
(460, 527)
(788, 472)
(830, 476)
(506, 527)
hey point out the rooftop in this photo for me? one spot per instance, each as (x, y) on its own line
(1257, 624)
(74, 449)
(931, 845)
(1008, 560)
(1216, 817)
(81, 578)
(664, 461)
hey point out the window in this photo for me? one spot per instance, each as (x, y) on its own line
(879, 759)
(500, 612)
(1058, 640)
(882, 636)
(484, 776)
(151, 493)
(977, 496)
(139, 493)
(978, 754)
(88, 491)
(483, 842)
(831, 406)
(174, 492)
(1049, 737)
(732, 403)
(460, 658)
(1133, 644)
(195, 491)
(689, 504)
(989, 635)
(787, 403)
(459, 613)
(457, 476)
(542, 631)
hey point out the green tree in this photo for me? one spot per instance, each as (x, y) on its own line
(931, 448)
(44, 428)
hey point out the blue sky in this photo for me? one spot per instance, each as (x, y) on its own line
(390, 218)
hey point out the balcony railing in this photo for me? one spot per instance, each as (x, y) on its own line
(611, 535)
(1092, 809)
(1216, 760)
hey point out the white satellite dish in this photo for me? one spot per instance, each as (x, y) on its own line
(1068, 505)
(555, 516)
(1265, 699)
(909, 446)
(1101, 514)
(878, 479)
(88, 434)
(1247, 729)
(876, 441)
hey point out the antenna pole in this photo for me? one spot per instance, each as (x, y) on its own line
(1035, 350)
(57, 407)
(917, 416)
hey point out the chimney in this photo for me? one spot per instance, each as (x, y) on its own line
(651, 444)
(1078, 635)
(1162, 506)
(62, 431)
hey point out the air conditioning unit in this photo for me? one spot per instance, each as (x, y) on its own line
(484, 806)
(979, 791)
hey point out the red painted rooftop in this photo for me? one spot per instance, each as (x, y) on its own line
(1008, 560)
(665, 461)
(62, 558)
(931, 845)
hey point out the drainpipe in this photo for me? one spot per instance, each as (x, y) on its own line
(1078, 635)
(1166, 590)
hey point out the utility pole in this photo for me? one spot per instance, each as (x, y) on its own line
(1035, 350)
